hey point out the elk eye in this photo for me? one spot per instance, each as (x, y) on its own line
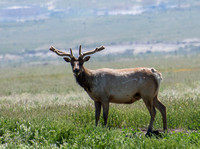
(80, 61)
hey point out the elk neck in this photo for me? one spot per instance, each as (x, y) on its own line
(84, 79)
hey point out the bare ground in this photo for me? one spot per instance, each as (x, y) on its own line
(176, 130)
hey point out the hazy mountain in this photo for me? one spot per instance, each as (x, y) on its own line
(29, 11)
(137, 25)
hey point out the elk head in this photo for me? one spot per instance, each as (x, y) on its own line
(76, 63)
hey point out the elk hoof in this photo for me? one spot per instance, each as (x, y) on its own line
(153, 133)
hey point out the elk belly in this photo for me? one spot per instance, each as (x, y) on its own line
(124, 98)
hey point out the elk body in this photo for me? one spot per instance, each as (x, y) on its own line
(122, 86)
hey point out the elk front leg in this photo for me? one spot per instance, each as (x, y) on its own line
(97, 111)
(105, 112)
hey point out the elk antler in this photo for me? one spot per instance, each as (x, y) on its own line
(60, 53)
(91, 51)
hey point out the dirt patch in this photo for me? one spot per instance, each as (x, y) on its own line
(176, 130)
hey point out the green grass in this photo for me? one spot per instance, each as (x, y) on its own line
(42, 106)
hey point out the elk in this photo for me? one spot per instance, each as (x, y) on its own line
(122, 86)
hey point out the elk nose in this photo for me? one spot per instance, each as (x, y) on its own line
(76, 70)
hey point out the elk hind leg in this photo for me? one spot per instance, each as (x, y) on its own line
(162, 110)
(149, 104)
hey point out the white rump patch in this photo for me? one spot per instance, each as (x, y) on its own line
(157, 75)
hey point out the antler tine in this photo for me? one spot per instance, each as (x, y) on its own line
(60, 53)
(80, 51)
(71, 53)
(93, 51)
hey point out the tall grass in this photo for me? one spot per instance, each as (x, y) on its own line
(44, 107)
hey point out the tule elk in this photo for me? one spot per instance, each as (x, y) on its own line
(122, 86)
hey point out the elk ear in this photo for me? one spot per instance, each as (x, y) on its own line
(67, 59)
(86, 58)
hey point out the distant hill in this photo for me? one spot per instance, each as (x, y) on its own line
(34, 25)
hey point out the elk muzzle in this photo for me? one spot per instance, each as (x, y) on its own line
(76, 69)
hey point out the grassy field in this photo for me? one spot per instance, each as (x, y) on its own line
(42, 106)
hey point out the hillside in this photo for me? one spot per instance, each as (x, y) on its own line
(28, 26)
